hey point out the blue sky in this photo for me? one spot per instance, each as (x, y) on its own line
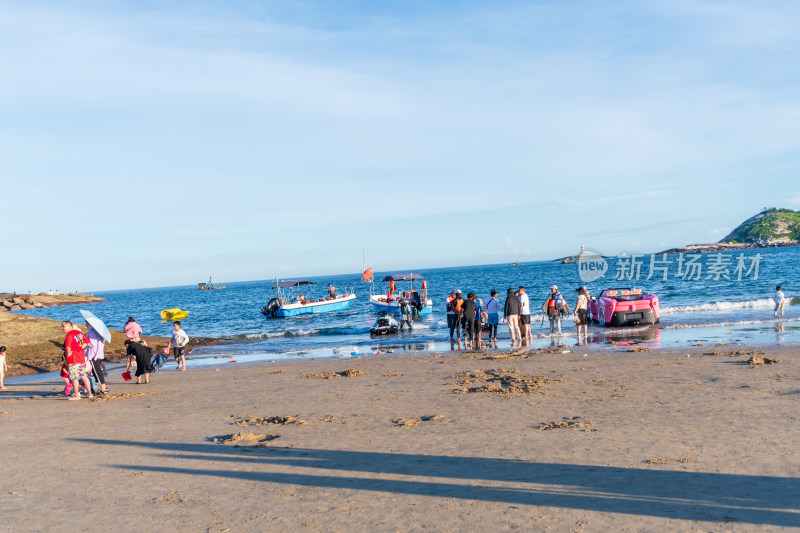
(155, 143)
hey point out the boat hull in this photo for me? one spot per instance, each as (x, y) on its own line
(390, 308)
(315, 308)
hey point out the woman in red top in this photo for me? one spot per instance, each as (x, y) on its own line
(74, 343)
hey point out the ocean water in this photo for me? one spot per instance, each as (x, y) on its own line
(705, 308)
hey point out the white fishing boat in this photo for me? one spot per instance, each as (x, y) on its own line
(389, 301)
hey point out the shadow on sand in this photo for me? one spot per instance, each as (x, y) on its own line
(766, 500)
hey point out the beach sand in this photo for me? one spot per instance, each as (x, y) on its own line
(671, 440)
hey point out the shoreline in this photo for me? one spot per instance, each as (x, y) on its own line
(20, 302)
(723, 247)
(35, 344)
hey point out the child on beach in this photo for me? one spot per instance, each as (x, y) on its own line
(179, 341)
(779, 299)
(3, 366)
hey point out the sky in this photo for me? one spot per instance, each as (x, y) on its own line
(152, 144)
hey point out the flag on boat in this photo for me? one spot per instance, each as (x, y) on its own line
(367, 275)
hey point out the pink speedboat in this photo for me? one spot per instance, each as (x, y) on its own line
(624, 307)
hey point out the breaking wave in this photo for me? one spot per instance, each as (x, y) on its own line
(763, 303)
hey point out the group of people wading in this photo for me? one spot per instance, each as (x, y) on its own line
(467, 317)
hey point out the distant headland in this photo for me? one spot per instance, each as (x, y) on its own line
(772, 227)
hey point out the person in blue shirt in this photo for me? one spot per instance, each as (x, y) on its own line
(493, 316)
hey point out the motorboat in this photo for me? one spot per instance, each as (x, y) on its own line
(287, 300)
(385, 325)
(389, 301)
(624, 307)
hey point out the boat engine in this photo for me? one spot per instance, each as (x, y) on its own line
(271, 309)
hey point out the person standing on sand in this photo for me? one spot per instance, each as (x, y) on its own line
(95, 355)
(511, 314)
(582, 314)
(779, 299)
(525, 315)
(3, 366)
(179, 340)
(493, 316)
(74, 343)
(133, 330)
(144, 360)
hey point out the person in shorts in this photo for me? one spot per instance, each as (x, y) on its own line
(525, 316)
(582, 314)
(179, 341)
(779, 299)
(75, 359)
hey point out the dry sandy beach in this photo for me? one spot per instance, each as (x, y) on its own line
(672, 440)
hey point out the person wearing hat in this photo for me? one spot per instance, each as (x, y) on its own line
(582, 314)
(554, 307)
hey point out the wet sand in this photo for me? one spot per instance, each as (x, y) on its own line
(668, 440)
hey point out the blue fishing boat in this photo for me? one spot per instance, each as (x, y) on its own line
(389, 301)
(287, 300)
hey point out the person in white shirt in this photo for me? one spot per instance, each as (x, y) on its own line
(493, 316)
(525, 316)
(779, 299)
(179, 341)
(582, 314)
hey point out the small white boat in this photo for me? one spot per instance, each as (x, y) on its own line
(389, 302)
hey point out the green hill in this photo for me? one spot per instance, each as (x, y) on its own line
(770, 225)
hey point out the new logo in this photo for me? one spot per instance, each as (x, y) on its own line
(591, 266)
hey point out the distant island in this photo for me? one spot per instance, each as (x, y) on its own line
(772, 227)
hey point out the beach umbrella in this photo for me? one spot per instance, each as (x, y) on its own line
(96, 324)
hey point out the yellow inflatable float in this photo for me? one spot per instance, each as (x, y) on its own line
(173, 314)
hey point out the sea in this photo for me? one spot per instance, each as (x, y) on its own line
(708, 298)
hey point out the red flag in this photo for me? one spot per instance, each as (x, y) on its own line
(367, 275)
